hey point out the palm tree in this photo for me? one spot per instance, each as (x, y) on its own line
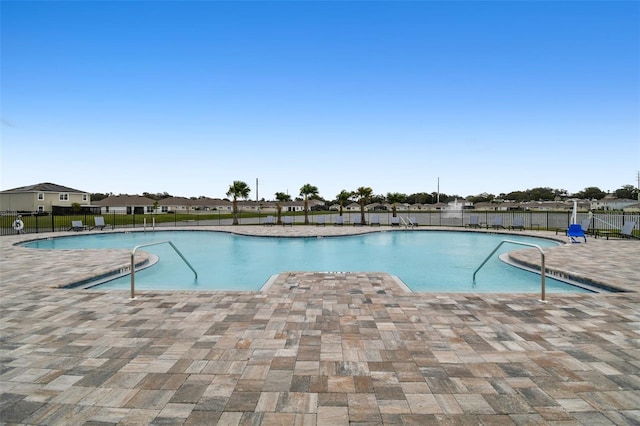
(362, 194)
(238, 189)
(343, 197)
(395, 197)
(307, 190)
(281, 197)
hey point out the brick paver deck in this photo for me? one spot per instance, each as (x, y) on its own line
(317, 348)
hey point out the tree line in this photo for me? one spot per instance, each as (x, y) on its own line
(535, 194)
(364, 195)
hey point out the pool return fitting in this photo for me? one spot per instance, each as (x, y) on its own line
(133, 262)
(542, 267)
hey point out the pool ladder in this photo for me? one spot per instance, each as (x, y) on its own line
(542, 267)
(133, 262)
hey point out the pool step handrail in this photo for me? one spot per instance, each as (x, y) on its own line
(404, 222)
(542, 266)
(607, 223)
(133, 262)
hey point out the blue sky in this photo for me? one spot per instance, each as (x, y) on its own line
(186, 97)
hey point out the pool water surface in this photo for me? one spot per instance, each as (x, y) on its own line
(433, 261)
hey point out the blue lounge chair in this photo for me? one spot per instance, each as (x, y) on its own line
(76, 225)
(518, 223)
(357, 221)
(339, 221)
(395, 221)
(413, 222)
(375, 220)
(575, 231)
(269, 221)
(320, 221)
(99, 223)
(474, 221)
(497, 223)
(287, 221)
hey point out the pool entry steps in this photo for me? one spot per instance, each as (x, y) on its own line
(133, 262)
(542, 267)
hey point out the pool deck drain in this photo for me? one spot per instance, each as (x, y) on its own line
(317, 348)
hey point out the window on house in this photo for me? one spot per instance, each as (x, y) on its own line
(84, 197)
(40, 195)
(40, 209)
(106, 209)
(64, 197)
(149, 209)
(165, 209)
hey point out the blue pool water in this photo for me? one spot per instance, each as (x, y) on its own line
(434, 261)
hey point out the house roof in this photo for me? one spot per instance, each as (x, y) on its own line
(124, 200)
(42, 187)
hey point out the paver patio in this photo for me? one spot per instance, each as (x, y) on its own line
(317, 348)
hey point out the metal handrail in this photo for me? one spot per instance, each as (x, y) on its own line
(605, 222)
(133, 262)
(542, 267)
(405, 223)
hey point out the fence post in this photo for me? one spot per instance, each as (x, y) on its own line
(547, 220)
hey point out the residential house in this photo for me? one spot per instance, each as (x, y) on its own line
(380, 207)
(261, 206)
(632, 208)
(554, 205)
(126, 204)
(439, 206)
(190, 205)
(419, 207)
(44, 198)
(610, 202)
(352, 207)
(296, 206)
(501, 205)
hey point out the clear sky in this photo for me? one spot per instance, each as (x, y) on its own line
(186, 97)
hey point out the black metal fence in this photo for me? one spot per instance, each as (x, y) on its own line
(536, 220)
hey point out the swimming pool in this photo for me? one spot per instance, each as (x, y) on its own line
(434, 261)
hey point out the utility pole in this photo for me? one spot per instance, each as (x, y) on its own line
(256, 190)
(638, 177)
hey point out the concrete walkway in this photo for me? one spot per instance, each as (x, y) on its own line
(316, 348)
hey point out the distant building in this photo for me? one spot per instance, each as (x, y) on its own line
(126, 204)
(189, 205)
(610, 202)
(632, 208)
(44, 198)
